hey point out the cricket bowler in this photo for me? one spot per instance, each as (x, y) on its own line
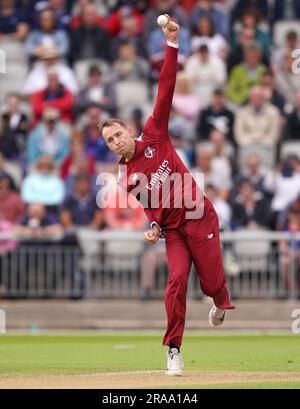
(191, 231)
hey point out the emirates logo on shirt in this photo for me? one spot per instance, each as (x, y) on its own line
(149, 152)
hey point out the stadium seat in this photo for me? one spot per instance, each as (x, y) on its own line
(267, 155)
(13, 80)
(14, 52)
(281, 28)
(289, 148)
(229, 149)
(81, 69)
(252, 254)
(122, 250)
(131, 94)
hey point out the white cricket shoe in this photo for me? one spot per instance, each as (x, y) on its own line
(216, 316)
(175, 363)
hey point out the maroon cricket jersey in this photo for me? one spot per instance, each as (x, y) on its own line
(156, 175)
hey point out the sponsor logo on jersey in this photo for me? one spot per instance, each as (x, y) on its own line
(149, 152)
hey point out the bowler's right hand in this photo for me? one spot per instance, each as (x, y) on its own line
(152, 236)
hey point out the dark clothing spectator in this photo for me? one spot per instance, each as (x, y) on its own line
(81, 210)
(13, 23)
(103, 95)
(243, 215)
(16, 123)
(48, 220)
(8, 145)
(211, 118)
(218, 16)
(90, 43)
(261, 6)
(96, 146)
(292, 130)
(286, 9)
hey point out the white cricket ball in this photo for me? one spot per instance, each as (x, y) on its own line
(162, 20)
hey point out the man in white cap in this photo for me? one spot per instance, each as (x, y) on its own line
(37, 78)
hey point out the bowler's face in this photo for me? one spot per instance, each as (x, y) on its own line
(118, 139)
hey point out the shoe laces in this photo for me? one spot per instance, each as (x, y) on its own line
(175, 360)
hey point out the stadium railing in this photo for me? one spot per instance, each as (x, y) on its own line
(109, 264)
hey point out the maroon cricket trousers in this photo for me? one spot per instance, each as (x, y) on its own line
(196, 241)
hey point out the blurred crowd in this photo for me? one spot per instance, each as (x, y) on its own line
(235, 114)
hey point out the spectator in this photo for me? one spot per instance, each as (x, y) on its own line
(128, 66)
(13, 24)
(270, 92)
(8, 143)
(289, 250)
(163, 7)
(206, 34)
(48, 138)
(208, 9)
(131, 30)
(5, 172)
(245, 75)
(11, 206)
(15, 120)
(286, 10)
(77, 18)
(37, 77)
(216, 116)
(212, 176)
(42, 185)
(222, 159)
(251, 19)
(287, 82)
(46, 33)
(94, 145)
(126, 20)
(291, 43)
(120, 217)
(56, 95)
(179, 143)
(153, 258)
(284, 183)
(185, 102)
(97, 91)
(292, 130)
(77, 154)
(254, 172)
(239, 8)
(250, 209)
(282, 219)
(62, 16)
(80, 207)
(221, 207)
(246, 38)
(38, 225)
(80, 166)
(207, 73)
(258, 122)
(89, 40)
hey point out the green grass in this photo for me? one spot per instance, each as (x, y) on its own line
(83, 354)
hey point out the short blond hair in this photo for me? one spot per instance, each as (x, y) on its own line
(110, 122)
